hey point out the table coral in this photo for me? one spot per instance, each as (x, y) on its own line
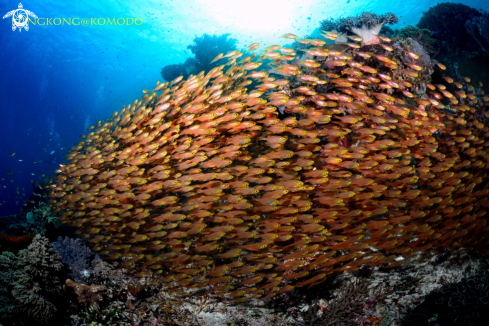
(367, 25)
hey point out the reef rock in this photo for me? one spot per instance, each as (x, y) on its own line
(83, 295)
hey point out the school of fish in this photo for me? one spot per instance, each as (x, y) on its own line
(246, 185)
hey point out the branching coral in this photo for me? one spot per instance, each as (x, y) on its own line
(208, 185)
(33, 281)
(367, 25)
(8, 307)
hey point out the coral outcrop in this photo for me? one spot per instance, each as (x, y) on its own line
(478, 28)
(204, 48)
(171, 72)
(447, 21)
(205, 182)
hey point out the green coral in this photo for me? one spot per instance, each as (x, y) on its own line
(29, 284)
(39, 221)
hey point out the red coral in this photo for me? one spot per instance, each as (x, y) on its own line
(15, 243)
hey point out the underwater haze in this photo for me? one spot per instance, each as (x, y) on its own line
(57, 80)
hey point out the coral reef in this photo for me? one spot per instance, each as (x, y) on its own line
(478, 28)
(208, 186)
(462, 303)
(31, 282)
(205, 48)
(366, 25)
(76, 256)
(447, 21)
(392, 293)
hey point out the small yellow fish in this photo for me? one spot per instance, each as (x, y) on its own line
(253, 47)
(412, 55)
(330, 35)
(219, 56)
(384, 38)
(289, 36)
(441, 66)
(355, 38)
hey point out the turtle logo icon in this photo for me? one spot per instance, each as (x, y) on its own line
(20, 18)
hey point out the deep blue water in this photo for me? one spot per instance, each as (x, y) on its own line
(57, 80)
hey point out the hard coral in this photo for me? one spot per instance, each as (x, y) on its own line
(32, 283)
(207, 185)
(84, 296)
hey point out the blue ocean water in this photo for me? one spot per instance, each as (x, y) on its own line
(58, 79)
